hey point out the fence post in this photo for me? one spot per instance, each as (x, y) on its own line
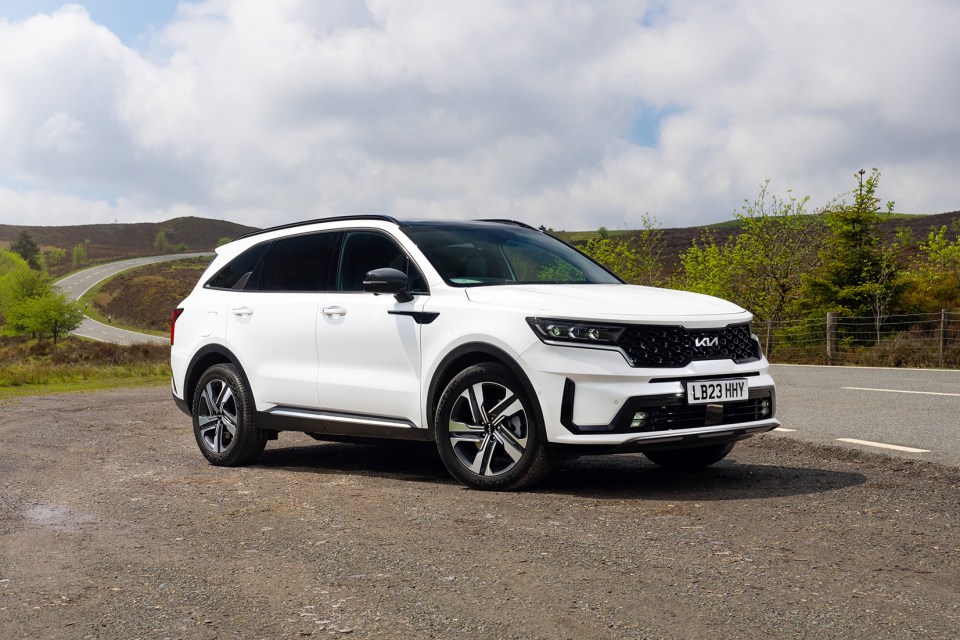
(831, 336)
(769, 338)
(943, 334)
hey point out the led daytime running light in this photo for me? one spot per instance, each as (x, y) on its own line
(578, 332)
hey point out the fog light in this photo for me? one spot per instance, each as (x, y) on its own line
(639, 419)
(765, 408)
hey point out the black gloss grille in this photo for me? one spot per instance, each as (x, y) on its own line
(671, 346)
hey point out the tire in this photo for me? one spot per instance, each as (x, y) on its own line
(690, 459)
(223, 422)
(488, 431)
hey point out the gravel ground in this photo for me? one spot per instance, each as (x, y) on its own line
(112, 525)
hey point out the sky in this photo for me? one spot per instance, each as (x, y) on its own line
(563, 113)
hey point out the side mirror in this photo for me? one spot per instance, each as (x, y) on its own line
(388, 280)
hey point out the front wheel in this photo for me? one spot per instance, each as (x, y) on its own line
(690, 459)
(487, 430)
(223, 418)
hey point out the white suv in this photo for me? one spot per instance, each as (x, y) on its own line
(505, 346)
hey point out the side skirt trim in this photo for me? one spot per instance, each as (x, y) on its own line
(333, 423)
(348, 418)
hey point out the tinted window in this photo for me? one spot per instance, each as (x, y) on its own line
(300, 263)
(365, 251)
(467, 255)
(238, 270)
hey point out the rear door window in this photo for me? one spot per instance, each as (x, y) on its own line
(299, 263)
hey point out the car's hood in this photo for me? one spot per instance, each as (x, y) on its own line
(608, 301)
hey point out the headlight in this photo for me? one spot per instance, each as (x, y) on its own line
(575, 332)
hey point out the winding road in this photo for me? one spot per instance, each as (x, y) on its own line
(79, 283)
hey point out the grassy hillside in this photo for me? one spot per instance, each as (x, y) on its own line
(143, 298)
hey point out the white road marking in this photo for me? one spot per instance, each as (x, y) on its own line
(84, 335)
(784, 429)
(858, 368)
(922, 393)
(882, 445)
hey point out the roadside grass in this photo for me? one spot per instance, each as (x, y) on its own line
(32, 367)
(92, 311)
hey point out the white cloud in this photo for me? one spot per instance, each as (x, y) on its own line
(264, 113)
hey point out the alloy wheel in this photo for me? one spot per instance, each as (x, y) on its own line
(488, 428)
(217, 416)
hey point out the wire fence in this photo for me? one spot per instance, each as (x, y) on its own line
(915, 340)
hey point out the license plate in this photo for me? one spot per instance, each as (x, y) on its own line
(708, 391)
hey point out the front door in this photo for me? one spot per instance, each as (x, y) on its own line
(369, 345)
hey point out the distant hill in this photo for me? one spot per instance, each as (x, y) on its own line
(129, 240)
(677, 240)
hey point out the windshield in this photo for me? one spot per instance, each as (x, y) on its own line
(487, 255)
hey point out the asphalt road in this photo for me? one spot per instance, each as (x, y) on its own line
(913, 410)
(79, 283)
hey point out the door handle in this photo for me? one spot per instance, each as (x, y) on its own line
(334, 312)
(241, 312)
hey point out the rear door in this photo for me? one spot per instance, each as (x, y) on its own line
(271, 325)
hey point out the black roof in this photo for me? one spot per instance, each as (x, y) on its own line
(386, 218)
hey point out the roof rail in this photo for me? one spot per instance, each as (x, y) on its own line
(506, 221)
(291, 225)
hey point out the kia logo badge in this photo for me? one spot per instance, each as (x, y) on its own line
(707, 342)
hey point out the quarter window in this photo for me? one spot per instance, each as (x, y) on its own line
(238, 270)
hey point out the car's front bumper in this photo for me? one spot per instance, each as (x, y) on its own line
(590, 397)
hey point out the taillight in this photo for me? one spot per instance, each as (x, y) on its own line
(173, 322)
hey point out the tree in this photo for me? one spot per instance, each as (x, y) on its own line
(933, 278)
(12, 266)
(32, 305)
(160, 242)
(706, 268)
(26, 248)
(763, 267)
(18, 288)
(51, 314)
(856, 268)
(79, 255)
(56, 256)
(637, 262)
(23, 284)
(10, 262)
(778, 245)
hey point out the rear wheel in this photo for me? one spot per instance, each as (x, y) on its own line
(690, 459)
(223, 418)
(487, 430)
